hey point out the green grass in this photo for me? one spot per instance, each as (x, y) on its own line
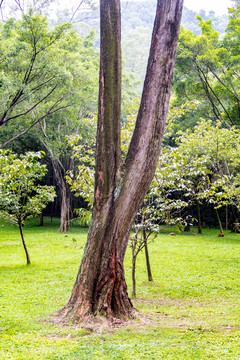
(190, 311)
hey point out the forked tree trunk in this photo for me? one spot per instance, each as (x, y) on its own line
(100, 287)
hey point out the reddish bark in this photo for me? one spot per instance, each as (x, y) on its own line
(100, 287)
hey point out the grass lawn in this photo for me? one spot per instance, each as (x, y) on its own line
(190, 311)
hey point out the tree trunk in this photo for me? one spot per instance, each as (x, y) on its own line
(235, 226)
(100, 287)
(23, 242)
(41, 219)
(149, 271)
(65, 207)
(65, 192)
(226, 218)
(134, 258)
(220, 224)
(199, 218)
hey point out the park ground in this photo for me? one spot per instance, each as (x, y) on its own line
(190, 311)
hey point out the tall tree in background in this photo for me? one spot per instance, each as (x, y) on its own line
(100, 287)
(207, 70)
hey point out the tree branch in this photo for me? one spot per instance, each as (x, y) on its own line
(49, 112)
(233, 92)
(74, 13)
(215, 95)
(19, 5)
(33, 107)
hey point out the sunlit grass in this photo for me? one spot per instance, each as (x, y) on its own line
(190, 311)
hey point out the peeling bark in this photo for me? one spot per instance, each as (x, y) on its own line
(100, 287)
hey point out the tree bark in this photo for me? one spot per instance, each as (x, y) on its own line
(100, 287)
(65, 207)
(23, 242)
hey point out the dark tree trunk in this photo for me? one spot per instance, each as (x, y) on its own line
(235, 226)
(23, 241)
(41, 219)
(134, 258)
(199, 218)
(65, 192)
(226, 227)
(60, 167)
(149, 271)
(100, 287)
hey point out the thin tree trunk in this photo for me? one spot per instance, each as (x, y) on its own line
(199, 218)
(100, 287)
(133, 274)
(23, 242)
(65, 207)
(65, 192)
(226, 217)
(41, 219)
(235, 226)
(149, 271)
(220, 223)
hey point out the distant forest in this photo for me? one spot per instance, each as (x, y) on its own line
(137, 22)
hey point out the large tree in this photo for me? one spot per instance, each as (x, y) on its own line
(100, 287)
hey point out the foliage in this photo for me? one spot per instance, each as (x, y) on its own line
(81, 180)
(21, 196)
(207, 70)
(43, 72)
(212, 154)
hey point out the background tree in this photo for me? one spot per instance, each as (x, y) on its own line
(33, 86)
(207, 70)
(56, 96)
(21, 196)
(53, 132)
(204, 166)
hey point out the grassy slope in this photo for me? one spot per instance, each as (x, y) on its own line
(191, 310)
